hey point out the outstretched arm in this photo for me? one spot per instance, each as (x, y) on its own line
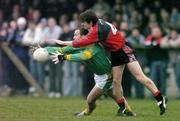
(91, 37)
(76, 57)
(64, 50)
(60, 42)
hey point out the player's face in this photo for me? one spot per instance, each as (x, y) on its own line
(86, 25)
(77, 35)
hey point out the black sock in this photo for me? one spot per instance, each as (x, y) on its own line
(158, 96)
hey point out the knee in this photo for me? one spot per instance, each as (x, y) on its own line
(115, 83)
(116, 80)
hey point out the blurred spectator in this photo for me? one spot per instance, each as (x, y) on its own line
(145, 18)
(40, 32)
(118, 19)
(135, 20)
(35, 67)
(153, 18)
(53, 31)
(117, 8)
(8, 66)
(124, 28)
(81, 7)
(156, 7)
(175, 18)
(21, 52)
(28, 38)
(1, 17)
(137, 40)
(63, 19)
(126, 78)
(3, 37)
(29, 13)
(1, 67)
(158, 59)
(147, 30)
(36, 15)
(172, 40)
(165, 20)
(74, 23)
(15, 12)
(39, 38)
(71, 84)
(101, 8)
(140, 5)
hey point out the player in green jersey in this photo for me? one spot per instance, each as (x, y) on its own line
(94, 57)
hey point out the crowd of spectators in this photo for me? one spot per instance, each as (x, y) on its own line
(151, 27)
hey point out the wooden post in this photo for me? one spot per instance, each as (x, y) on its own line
(23, 70)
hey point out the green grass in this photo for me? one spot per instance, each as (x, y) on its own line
(43, 109)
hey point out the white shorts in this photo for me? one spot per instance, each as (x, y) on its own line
(103, 82)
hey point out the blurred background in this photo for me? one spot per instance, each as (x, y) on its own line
(152, 27)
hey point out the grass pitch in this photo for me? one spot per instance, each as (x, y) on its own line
(44, 109)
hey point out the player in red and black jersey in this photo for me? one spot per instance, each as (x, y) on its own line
(121, 54)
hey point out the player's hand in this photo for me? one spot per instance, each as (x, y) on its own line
(33, 48)
(57, 57)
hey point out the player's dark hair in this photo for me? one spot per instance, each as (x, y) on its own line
(83, 31)
(88, 16)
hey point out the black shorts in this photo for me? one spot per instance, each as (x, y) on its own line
(123, 56)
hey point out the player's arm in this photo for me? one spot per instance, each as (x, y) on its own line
(81, 56)
(76, 57)
(64, 50)
(84, 41)
(88, 39)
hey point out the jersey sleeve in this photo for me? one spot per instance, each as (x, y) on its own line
(64, 50)
(90, 38)
(83, 55)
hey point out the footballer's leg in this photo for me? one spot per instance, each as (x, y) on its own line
(91, 101)
(137, 72)
(117, 88)
(128, 111)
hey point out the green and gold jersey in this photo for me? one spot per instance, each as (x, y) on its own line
(93, 56)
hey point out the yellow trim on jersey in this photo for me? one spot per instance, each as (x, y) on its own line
(68, 57)
(87, 54)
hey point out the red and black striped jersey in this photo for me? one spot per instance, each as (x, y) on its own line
(105, 33)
